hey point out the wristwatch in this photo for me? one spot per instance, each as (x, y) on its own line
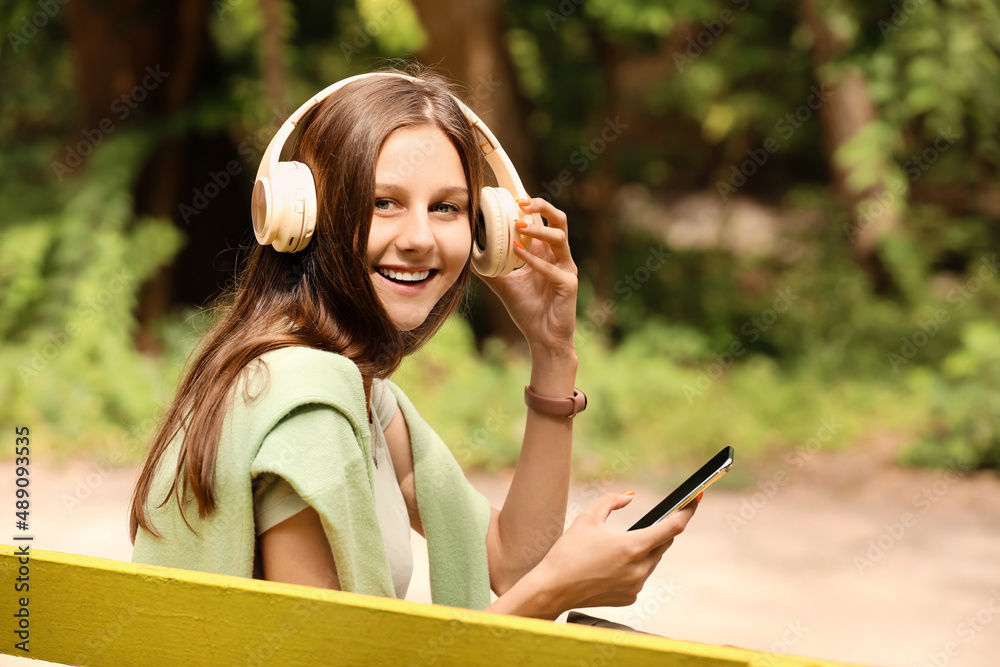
(570, 406)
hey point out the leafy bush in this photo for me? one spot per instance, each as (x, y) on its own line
(966, 407)
(74, 263)
(650, 404)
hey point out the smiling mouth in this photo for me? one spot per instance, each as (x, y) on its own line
(405, 277)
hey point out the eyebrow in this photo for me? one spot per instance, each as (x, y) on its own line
(448, 191)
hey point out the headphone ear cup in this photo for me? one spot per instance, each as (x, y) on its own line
(261, 211)
(493, 246)
(284, 210)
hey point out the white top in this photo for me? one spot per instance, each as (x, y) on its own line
(275, 500)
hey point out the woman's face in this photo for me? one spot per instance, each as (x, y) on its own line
(420, 239)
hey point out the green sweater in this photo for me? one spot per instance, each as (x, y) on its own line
(332, 471)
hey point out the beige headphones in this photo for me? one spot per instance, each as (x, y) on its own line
(284, 194)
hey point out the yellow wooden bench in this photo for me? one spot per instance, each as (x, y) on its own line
(94, 611)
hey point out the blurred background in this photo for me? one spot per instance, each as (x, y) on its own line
(785, 217)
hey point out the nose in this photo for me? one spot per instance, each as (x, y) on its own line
(417, 234)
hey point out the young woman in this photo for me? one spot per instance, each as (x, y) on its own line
(287, 453)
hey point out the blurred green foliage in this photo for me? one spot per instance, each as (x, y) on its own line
(966, 405)
(664, 377)
(648, 406)
(73, 267)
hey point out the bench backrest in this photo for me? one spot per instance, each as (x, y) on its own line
(93, 611)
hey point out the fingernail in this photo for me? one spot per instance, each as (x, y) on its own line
(627, 493)
(518, 244)
(523, 202)
(521, 224)
(700, 495)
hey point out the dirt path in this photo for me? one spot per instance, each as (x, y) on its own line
(842, 556)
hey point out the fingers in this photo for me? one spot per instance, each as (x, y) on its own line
(555, 235)
(544, 208)
(657, 553)
(607, 503)
(676, 527)
(676, 522)
(556, 240)
(665, 531)
(653, 558)
(556, 274)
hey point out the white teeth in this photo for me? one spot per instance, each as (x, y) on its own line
(404, 276)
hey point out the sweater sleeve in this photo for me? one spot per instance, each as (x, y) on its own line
(274, 500)
(315, 449)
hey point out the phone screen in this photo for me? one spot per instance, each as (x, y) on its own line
(692, 486)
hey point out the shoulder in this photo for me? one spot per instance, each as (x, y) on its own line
(280, 381)
(311, 440)
(395, 393)
(421, 432)
(304, 374)
(308, 361)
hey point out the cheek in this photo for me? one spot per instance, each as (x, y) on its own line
(460, 247)
(376, 242)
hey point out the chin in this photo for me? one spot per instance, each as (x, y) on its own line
(408, 323)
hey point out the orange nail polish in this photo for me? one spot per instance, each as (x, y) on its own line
(518, 244)
(627, 493)
(521, 224)
(523, 202)
(700, 496)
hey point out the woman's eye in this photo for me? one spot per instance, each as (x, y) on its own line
(444, 207)
(383, 204)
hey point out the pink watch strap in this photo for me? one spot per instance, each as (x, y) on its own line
(570, 406)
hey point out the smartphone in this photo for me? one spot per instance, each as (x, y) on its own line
(710, 472)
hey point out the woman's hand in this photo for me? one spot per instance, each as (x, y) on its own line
(541, 296)
(592, 566)
(597, 567)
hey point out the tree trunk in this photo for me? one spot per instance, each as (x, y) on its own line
(136, 59)
(846, 112)
(273, 52)
(466, 41)
(598, 188)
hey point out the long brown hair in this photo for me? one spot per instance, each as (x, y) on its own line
(325, 290)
